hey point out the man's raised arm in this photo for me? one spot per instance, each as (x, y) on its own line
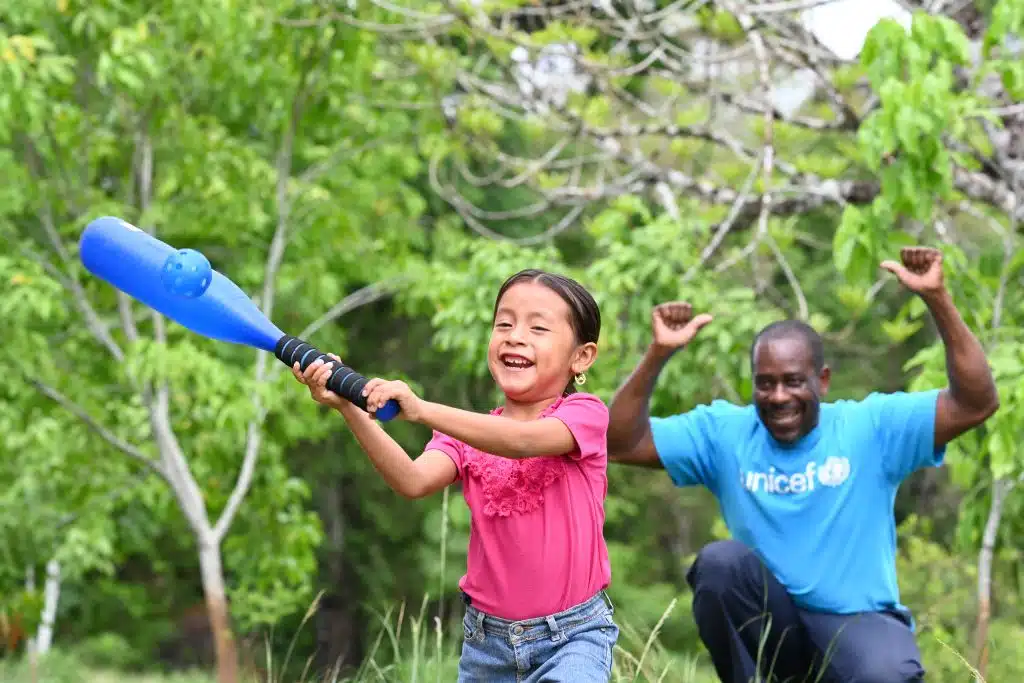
(971, 397)
(629, 429)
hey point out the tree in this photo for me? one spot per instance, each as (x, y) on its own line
(226, 132)
(577, 104)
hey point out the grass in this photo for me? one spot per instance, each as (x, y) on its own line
(408, 648)
(412, 649)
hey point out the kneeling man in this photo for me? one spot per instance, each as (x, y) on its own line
(807, 585)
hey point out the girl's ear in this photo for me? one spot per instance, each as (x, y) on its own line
(584, 357)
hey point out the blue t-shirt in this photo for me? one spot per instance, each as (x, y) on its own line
(819, 513)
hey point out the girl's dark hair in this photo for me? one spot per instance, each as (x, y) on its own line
(584, 314)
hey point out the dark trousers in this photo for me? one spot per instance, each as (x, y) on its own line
(749, 623)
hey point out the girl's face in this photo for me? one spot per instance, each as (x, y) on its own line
(533, 351)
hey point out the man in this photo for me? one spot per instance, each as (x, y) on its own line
(806, 489)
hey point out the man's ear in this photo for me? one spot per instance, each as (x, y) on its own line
(824, 379)
(585, 356)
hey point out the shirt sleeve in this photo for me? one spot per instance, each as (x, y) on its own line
(905, 424)
(686, 446)
(586, 416)
(453, 448)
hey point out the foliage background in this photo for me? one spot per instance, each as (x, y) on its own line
(370, 174)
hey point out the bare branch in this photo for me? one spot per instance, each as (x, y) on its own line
(275, 256)
(785, 6)
(983, 188)
(109, 498)
(107, 435)
(142, 174)
(342, 152)
(416, 27)
(768, 156)
(357, 299)
(751, 106)
(723, 228)
(1009, 110)
(179, 475)
(183, 484)
(79, 298)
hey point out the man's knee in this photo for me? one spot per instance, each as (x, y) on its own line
(720, 564)
(875, 669)
(880, 649)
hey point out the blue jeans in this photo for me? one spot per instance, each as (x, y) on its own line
(572, 646)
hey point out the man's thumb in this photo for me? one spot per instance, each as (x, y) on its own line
(895, 268)
(699, 322)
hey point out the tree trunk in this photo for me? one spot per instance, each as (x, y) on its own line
(52, 595)
(217, 608)
(339, 642)
(1000, 489)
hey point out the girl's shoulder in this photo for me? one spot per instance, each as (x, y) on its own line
(579, 402)
(570, 402)
(582, 396)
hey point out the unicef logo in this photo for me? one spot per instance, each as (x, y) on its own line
(834, 471)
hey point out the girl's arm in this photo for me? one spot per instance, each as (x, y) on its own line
(577, 428)
(418, 478)
(499, 435)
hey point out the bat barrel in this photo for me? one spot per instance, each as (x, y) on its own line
(344, 381)
(132, 261)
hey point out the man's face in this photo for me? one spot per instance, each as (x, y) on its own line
(787, 389)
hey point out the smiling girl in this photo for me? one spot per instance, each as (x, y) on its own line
(534, 475)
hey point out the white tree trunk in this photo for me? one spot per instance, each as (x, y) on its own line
(1000, 489)
(44, 638)
(212, 574)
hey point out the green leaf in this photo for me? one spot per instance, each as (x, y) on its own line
(899, 331)
(844, 241)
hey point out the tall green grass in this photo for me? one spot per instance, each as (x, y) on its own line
(410, 648)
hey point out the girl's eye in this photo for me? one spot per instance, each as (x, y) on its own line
(503, 325)
(537, 328)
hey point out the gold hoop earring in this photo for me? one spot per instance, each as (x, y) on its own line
(580, 379)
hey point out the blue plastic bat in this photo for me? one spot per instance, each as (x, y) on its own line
(181, 285)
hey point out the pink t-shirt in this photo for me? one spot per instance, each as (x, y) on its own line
(536, 538)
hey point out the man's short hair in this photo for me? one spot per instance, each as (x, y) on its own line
(792, 329)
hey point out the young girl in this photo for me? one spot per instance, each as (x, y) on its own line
(534, 475)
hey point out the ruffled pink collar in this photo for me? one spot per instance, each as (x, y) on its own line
(514, 486)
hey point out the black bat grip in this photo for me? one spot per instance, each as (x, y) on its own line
(344, 381)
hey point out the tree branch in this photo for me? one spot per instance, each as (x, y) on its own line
(78, 296)
(107, 435)
(361, 297)
(981, 187)
(179, 474)
(725, 226)
(275, 256)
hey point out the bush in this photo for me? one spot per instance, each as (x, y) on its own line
(109, 651)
